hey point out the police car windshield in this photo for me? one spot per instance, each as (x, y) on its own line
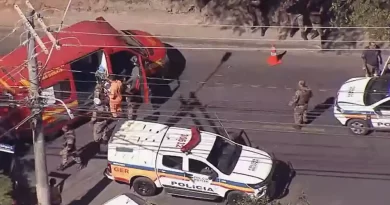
(376, 90)
(224, 155)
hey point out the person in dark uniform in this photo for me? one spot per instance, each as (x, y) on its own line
(318, 16)
(372, 58)
(69, 149)
(298, 14)
(131, 86)
(55, 194)
(259, 11)
(300, 101)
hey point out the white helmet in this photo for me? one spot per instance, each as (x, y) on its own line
(134, 59)
(97, 101)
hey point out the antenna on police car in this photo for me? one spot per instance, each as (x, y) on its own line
(219, 121)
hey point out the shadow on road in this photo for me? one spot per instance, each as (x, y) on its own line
(159, 84)
(344, 174)
(282, 178)
(22, 191)
(187, 107)
(92, 193)
(177, 63)
(319, 109)
(88, 152)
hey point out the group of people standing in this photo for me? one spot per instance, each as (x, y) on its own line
(309, 16)
(108, 96)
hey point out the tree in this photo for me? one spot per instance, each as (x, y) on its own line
(5, 190)
(363, 13)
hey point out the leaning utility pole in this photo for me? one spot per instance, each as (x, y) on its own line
(43, 194)
(42, 187)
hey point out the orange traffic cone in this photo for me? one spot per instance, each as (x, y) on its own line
(273, 59)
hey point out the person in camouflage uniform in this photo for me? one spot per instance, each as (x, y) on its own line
(100, 121)
(259, 11)
(100, 116)
(69, 149)
(300, 101)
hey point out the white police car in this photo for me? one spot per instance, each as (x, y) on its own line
(186, 162)
(363, 104)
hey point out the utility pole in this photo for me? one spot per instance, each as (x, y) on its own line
(42, 187)
(43, 194)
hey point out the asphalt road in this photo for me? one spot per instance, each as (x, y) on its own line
(332, 167)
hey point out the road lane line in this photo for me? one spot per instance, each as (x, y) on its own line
(280, 127)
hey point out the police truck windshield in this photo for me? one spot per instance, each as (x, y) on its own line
(224, 155)
(376, 90)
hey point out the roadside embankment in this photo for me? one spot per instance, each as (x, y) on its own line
(200, 23)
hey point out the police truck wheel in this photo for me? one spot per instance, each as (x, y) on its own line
(358, 127)
(144, 186)
(234, 197)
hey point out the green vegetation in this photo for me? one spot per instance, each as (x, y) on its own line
(364, 13)
(302, 200)
(5, 190)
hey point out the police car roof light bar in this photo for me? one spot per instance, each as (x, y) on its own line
(194, 141)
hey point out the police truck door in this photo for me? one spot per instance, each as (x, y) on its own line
(382, 119)
(201, 175)
(170, 172)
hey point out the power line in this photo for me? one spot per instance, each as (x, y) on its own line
(240, 26)
(245, 128)
(10, 75)
(221, 39)
(18, 69)
(56, 40)
(85, 92)
(221, 48)
(240, 110)
(311, 116)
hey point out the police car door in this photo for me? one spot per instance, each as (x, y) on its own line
(386, 69)
(201, 175)
(382, 111)
(170, 172)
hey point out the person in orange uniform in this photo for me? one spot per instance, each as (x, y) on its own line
(115, 96)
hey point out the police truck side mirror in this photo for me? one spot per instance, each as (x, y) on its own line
(213, 176)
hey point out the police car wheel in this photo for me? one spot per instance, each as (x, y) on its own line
(358, 127)
(144, 186)
(234, 197)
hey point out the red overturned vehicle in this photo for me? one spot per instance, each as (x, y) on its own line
(69, 77)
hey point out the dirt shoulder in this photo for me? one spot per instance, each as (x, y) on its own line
(206, 22)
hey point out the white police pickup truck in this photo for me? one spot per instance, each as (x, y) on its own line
(363, 104)
(186, 162)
